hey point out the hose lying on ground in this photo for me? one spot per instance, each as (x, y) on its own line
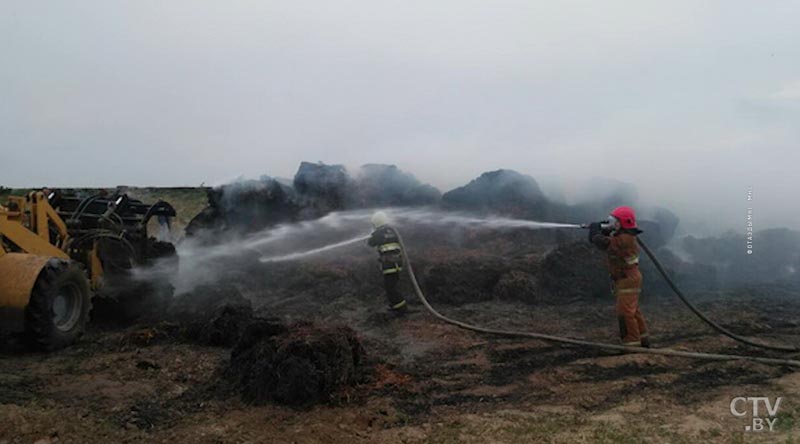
(578, 342)
(712, 324)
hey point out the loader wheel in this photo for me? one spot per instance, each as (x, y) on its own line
(59, 306)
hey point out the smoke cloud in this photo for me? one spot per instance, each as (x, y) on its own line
(677, 99)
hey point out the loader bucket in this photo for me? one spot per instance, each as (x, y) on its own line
(18, 273)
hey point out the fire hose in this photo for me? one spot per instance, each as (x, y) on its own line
(702, 316)
(600, 345)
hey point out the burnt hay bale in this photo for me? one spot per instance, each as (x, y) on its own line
(222, 327)
(213, 314)
(463, 280)
(297, 365)
(206, 298)
(246, 205)
(504, 191)
(516, 285)
(575, 270)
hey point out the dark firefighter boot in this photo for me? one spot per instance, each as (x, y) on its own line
(397, 304)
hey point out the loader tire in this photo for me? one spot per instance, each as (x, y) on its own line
(58, 309)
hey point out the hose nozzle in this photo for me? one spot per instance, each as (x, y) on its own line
(605, 226)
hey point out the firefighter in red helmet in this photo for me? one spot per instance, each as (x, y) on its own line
(617, 237)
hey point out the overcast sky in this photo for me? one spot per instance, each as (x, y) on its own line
(692, 101)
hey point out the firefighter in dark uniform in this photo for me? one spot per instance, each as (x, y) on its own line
(385, 240)
(617, 238)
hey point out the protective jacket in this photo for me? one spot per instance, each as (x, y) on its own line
(385, 239)
(622, 249)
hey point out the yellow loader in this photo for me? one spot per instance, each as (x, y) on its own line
(56, 253)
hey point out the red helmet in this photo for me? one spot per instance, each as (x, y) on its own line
(625, 216)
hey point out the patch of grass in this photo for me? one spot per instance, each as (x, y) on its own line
(5, 192)
(18, 388)
(616, 435)
(63, 422)
(541, 428)
(787, 421)
(575, 429)
(446, 433)
(737, 438)
(556, 429)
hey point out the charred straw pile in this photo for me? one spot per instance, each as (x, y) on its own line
(298, 364)
(271, 360)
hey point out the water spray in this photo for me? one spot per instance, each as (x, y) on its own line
(302, 254)
(399, 217)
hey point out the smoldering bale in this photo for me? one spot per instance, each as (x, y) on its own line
(299, 364)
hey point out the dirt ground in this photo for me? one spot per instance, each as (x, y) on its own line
(423, 382)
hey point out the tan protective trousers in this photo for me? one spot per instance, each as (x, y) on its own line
(632, 326)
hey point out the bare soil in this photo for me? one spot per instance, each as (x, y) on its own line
(421, 381)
